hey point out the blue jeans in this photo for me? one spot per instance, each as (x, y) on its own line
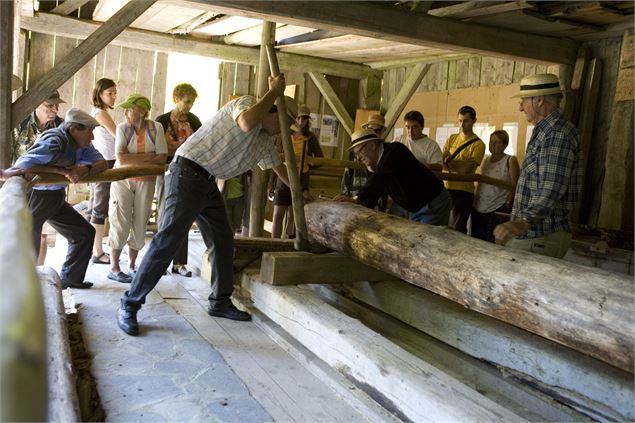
(189, 197)
(436, 212)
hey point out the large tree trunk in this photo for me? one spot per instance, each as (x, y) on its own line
(587, 309)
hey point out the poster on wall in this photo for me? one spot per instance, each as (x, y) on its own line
(329, 125)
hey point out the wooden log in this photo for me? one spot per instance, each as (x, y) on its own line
(587, 309)
(293, 268)
(260, 178)
(293, 174)
(108, 175)
(23, 329)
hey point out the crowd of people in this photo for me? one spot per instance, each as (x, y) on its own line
(207, 180)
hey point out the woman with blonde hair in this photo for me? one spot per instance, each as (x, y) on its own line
(138, 141)
(104, 98)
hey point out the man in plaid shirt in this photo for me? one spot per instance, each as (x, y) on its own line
(237, 138)
(550, 177)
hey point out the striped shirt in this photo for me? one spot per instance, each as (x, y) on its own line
(550, 177)
(224, 150)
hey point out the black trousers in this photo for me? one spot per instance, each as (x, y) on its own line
(190, 195)
(51, 206)
(461, 209)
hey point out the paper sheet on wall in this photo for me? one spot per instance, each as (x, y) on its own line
(328, 130)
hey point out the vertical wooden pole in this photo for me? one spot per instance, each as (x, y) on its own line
(6, 70)
(259, 178)
(301, 238)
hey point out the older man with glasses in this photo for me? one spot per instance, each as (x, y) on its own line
(396, 171)
(550, 177)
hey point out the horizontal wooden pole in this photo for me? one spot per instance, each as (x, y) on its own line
(108, 175)
(587, 309)
(148, 40)
(293, 268)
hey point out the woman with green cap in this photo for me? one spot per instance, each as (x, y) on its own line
(138, 141)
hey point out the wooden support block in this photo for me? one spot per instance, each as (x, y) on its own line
(293, 268)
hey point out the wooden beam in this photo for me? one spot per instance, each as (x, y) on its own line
(68, 6)
(587, 309)
(192, 24)
(148, 40)
(331, 98)
(380, 20)
(61, 72)
(6, 71)
(405, 93)
(294, 268)
(616, 210)
(411, 388)
(259, 177)
(108, 175)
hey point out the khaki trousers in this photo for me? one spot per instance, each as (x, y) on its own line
(130, 206)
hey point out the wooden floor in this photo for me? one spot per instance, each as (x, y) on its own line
(188, 366)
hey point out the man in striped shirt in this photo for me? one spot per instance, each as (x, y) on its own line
(237, 138)
(550, 177)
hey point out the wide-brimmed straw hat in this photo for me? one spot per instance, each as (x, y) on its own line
(375, 119)
(362, 136)
(541, 84)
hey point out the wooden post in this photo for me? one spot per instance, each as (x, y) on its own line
(79, 57)
(259, 178)
(301, 238)
(616, 210)
(6, 71)
(587, 309)
(405, 93)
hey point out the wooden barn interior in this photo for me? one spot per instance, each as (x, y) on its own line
(387, 322)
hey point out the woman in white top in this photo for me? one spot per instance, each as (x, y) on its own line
(138, 141)
(104, 98)
(489, 199)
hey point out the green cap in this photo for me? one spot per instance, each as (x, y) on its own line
(136, 99)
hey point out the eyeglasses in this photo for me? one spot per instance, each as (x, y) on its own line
(360, 150)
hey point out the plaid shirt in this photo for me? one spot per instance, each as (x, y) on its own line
(224, 150)
(550, 178)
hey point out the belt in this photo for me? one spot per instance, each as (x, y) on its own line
(195, 167)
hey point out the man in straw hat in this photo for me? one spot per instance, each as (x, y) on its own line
(396, 171)
(65, 150)
(237, 138)
(354, 179)
(550, 176)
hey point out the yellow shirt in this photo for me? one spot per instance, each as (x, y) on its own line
(475, 152)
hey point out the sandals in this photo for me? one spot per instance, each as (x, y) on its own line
(182, 270)
(98, 259)
(120, 277)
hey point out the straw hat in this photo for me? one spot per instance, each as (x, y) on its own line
(304, 110)
(362, 136)
(375, 119)
(541, 84)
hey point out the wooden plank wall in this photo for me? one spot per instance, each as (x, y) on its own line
(134, 71)
(482, 71)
